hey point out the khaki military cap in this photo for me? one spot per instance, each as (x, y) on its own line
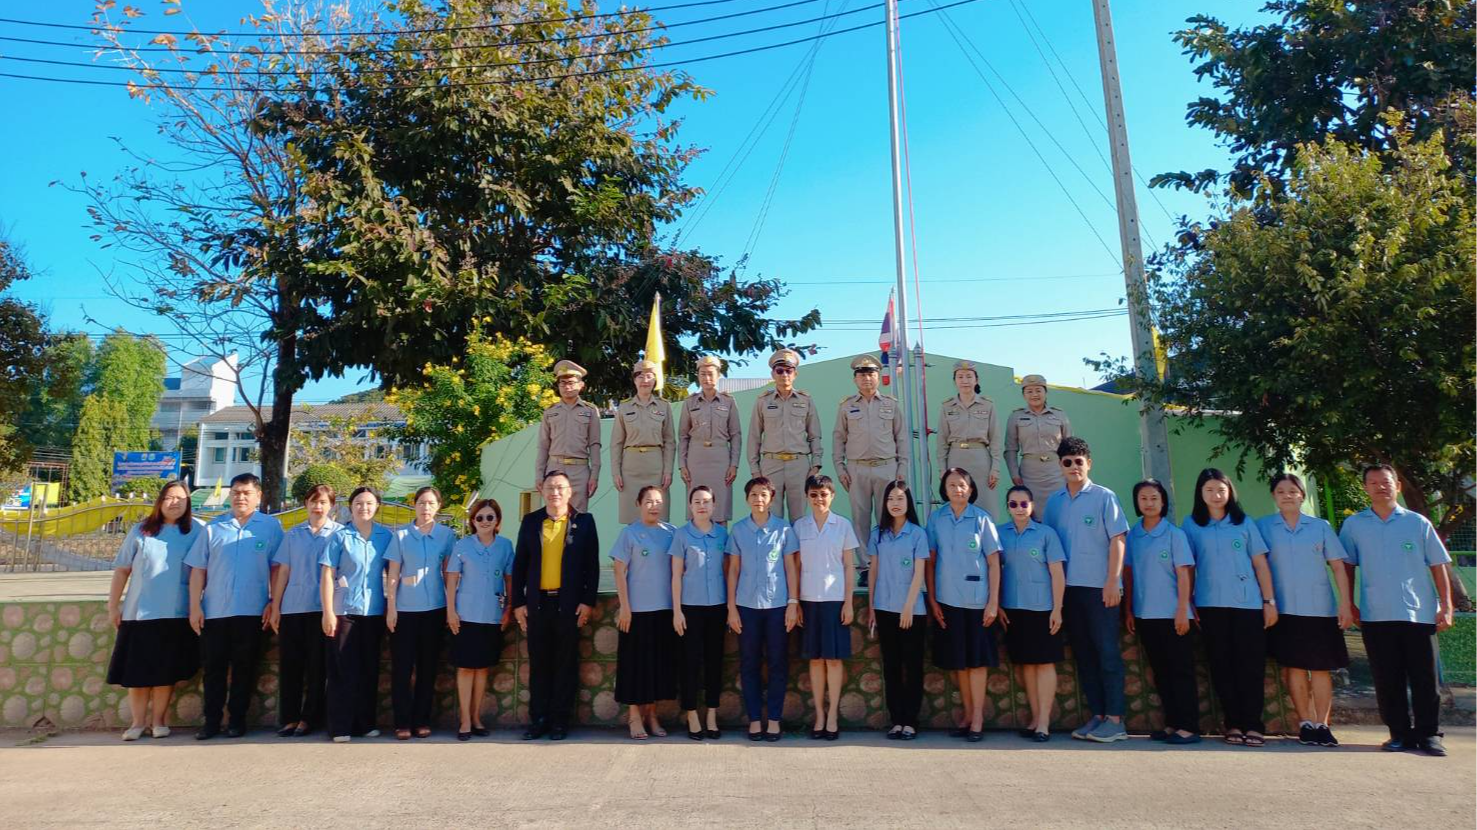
(965, 366)
(644, 366)
(1033, 380)
(789, 357)
(710, 360)
(865, 363)
(565, 368)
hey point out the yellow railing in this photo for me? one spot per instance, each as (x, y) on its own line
(92, 517)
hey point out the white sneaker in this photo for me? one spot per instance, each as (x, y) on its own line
(160, 732)
(341, 739)
(133, 733)
(373, 733)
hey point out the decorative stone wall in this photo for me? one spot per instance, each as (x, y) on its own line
(54, 657)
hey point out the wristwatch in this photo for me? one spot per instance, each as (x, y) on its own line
(792, 602)
(1271, 602)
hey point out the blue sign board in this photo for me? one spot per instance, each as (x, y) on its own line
(129, 465)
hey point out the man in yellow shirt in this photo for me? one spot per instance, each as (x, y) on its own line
(556, 571)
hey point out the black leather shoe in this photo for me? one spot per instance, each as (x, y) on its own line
(535, 731)
(973, 736)
(481, 731)
(817, 734)
(205, 733)
(464, 736)
(696, 736)
(959, 732)
(306, 729)
(235, 731)
(756, 736)
(1432, 746)
(1395, 745)
(558, 733)
(773, 737)
(712, 734)
(832, 734)
(287, 731)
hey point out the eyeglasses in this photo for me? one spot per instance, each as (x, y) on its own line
(486, 517)
(1077, 461)
(1013, 505)
(783, 370)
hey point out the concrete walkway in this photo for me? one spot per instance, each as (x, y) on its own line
(598, 779)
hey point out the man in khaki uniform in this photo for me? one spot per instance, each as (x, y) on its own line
(708, 439)
(1032, 434)
(569, 437)
(641, 444)
(969, 435)
(785, 444)
(869, 446)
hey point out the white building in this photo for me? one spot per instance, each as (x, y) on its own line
(205, 386)
(228, 444)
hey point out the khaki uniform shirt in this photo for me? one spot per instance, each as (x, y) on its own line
(569, 431)
(714, 422)
(869, 430)
(1034, 435)
(975, 423)
(784, 425)
(642, 425)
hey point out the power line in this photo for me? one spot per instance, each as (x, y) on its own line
(448, 67)
(500, 82)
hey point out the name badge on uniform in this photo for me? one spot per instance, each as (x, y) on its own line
(721, 410)
(855, 411)
(772, 406)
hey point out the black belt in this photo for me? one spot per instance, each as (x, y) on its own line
(554, 594)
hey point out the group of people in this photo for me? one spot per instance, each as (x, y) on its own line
(1064, 567)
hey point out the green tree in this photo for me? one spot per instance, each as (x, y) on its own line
(355, 443)
(1330, 69)
(502, 386)
(1330, 321)
(56, 392)
(514, 173)
(315, 474)
(130, 370)
(98, 436)
(23, 345)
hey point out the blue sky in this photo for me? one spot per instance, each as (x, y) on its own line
(996, 234)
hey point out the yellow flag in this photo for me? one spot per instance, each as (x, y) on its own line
(655, 351)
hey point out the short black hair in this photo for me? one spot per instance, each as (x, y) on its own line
(1163, 495)
(247, 478)
(1201, 512)
(555, 474)
(819, 482)
(428, 489)
(1020, 488)
(701, 488)
(974, 490)
(1072, 445)
(359, 491)
(1378, 467)
(758, 481)
(1286, 476)
(641, 494)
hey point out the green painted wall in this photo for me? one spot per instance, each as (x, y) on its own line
(1108, 422)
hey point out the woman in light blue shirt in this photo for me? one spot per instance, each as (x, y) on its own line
(647, 642)
(1308, 640)
(1234, 601)
(699, 609)
(414, 613)
(155, 647)
(479, 580)
(963, 579)
(297, 614)
(1157, 573)
(1032, 585)
(763, 606)
(897, 549)
(352, 592)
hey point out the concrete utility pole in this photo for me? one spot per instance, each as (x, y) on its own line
(907, 395)
(1153, 432)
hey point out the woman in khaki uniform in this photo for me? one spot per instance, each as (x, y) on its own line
(708, 440)
(969, 435)
(1032, 434)
(642, 444)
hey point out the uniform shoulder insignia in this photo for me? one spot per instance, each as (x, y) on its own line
(585, 403)
(802, 393)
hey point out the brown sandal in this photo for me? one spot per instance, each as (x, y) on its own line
(1253, 739)
(1235, 738)
(402, 734)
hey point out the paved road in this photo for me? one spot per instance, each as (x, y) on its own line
(601, 780)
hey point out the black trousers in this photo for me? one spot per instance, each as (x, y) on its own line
(353, 663)
(415, 646)
(1236, 649)
(300, 655)
(553, 663)
(1401, 655)
(1172, 660)
(230, 646)
(902, 665)
(702, 654)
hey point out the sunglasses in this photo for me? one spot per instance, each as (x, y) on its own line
(1079, 462)
(783, 370)
(485, 517)
(1013, 505)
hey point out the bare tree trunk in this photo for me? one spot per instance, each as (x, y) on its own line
(272, 436)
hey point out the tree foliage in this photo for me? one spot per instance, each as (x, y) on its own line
(22, 356)
(56, 392)
(331, 474)
(100, 433)
(502, 386)
(130, 370)
(1325, 69)
(356, 443)
(1332, 322)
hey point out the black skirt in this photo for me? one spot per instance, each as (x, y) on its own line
(963, 642)
(822, 636)
(1311, 643)
(154, 653)
(1028, 638)
(477, 645)
(645, 668)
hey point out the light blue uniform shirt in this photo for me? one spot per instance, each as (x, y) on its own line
(1025, 559)
(1223, 574)
(896, 555)
(702, 564)
(647, 554)
(1395, 557)
(300, 551)
(959, 546)
(421, 557)
(481, 595)
(1299, 559)
(159, 582)
(761, 552)
(1154, 556)
(358, 569)
(237, 562)
(1086, 523)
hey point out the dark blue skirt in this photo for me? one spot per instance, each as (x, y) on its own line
(963, 642)
(823, 637)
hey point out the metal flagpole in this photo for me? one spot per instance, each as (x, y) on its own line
(906, 393)
(1153, 433)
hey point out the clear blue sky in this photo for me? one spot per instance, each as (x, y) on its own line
(996, 234)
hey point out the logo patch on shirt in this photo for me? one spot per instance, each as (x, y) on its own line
(1035, 554)
(1087, 520)
(1163, 554)
(497, 572)
(907, 563)
(1408, 545)
(1236, 544)
(260, 545)
(974, 544)
(774, 556)
(645, 552)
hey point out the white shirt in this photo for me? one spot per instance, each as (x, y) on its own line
(822, 574)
